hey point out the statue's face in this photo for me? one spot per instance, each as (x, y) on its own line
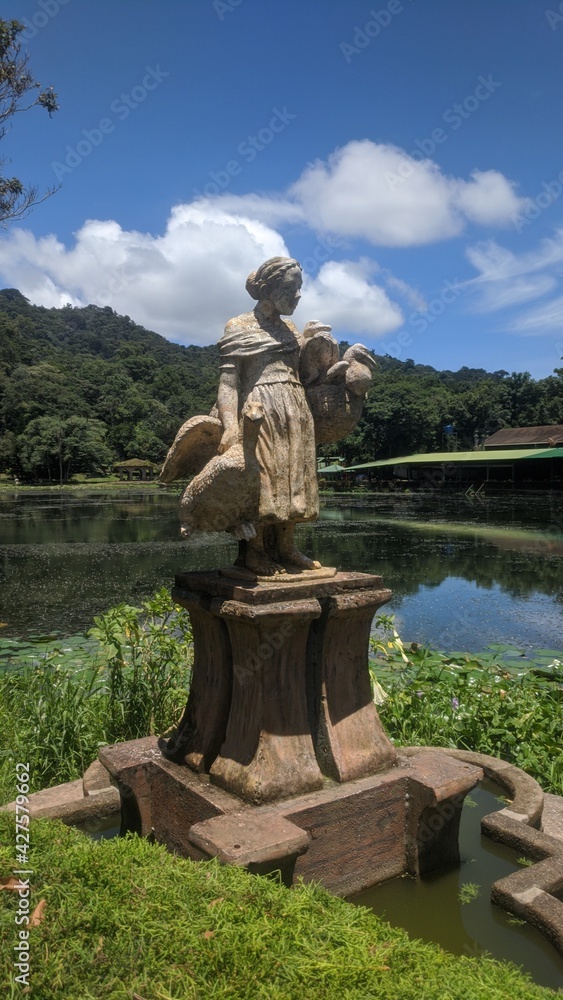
(285, 296)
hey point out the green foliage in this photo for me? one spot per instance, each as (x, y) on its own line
(468, 892)
(92, 362)
(145, 651)
(60, 363)
(61, 699)
(125, 918)
(503, 702)
(52, 448)
(16, 87)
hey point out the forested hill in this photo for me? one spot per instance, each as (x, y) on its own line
(67, 366)
(80, 388)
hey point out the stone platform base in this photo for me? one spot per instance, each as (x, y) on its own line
(348, 836)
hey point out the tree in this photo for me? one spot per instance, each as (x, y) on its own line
(17, 87)
(53, 448)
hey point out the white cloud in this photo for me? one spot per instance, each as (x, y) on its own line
(343, 296)
(488, 198)
(542, 319)
(188, 282)
(506, 279)
(271, 210)
(378, 192)
(184, 284)
(496, 263)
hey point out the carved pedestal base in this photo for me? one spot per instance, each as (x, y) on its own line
(347, 836)
(281, 693)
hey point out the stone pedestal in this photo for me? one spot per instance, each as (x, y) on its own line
(348, 836)
(281, 693)
(280, 761)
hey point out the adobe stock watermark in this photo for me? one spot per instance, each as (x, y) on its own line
(454, 117)
(378, 20)
(550, 192)
(421, 319)
(554, 17)
(121, 108)
(224, 7)
(248, 150)
(48, 10)
(21, 959)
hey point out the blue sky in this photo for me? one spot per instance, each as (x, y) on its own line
(407, 153)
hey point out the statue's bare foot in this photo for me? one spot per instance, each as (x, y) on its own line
(257, 561)
(294, 559)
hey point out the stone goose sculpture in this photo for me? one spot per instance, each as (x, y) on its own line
(360, 367)
(224, 496)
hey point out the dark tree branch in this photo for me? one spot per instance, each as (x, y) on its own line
(16, 84)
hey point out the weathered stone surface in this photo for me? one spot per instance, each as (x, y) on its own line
(280, 691)
(552, 816)
(268, 750)
(349, 739)
(336, 402)
(160, 798)
(439, 785)
(72, 804)
(226, 493)
(357, 832)
(201, 731)
(95, 778)
(526, 796)
(260, 477)
(194, 446)
(532, 893)
(218, 584)
(347, 836)
(247, 841)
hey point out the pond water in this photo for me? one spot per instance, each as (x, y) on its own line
(477, 926)
(464, 573)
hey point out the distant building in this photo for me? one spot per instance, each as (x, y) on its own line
(135, 468)
(547, 436)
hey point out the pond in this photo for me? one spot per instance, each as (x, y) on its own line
(464, 572)
(464, 921)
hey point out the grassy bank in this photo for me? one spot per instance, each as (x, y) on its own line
(124, 918)
(76, 483)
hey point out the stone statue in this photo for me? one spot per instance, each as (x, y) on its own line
(280, 393)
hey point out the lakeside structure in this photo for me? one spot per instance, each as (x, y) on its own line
(527, 456)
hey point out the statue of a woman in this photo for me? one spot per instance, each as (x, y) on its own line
(260, 354)
(255, 459)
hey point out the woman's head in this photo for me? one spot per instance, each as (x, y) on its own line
(278, 280)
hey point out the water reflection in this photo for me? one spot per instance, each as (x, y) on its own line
(463, 574)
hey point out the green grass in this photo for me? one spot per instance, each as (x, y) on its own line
(124, 917)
